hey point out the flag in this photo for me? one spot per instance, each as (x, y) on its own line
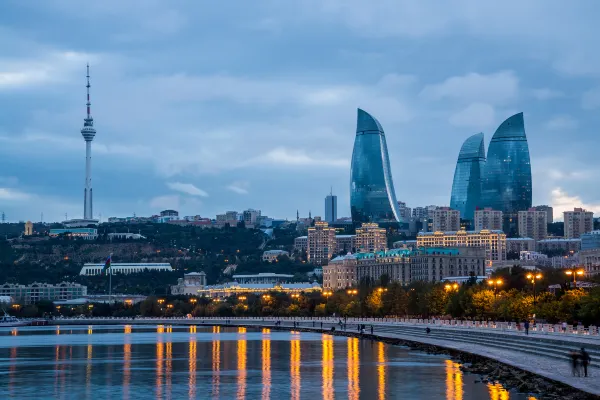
(107, 264)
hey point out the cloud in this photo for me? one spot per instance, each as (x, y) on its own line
(562, 201)
(476, 115)
(546, 94)
(591, 99)
(240, 187)
(165, 202)
(562, 123)
(284, 157)
(187, 188)
(496, 88)
(13, 194)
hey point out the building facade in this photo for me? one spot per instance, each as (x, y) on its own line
(466, 186)
(486, 218)
(370, 238)
(345, 244)
(263, 278)
(578, 222)
(590, 260)
(235, 289)
(533, 224)
(590, 240)
(31, 294)
(506, 184)
(405, 212)
(91, 269)
(445, 219)
(494, 242)
(517, 245)
(271, 255)
(372, 194)
(28, 228)
(340, 273)
(549, 211)
(321, 243)
(330, 208)
(82, 233)
(395, 264)
(560, 245)
(301, 244)
(437, 264)
(189, 284)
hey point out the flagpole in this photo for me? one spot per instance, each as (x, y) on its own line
(110, 281)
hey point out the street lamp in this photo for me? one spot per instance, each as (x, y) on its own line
(381, 290)
(266, 296)
(575, 272)
(161, 301)
(295, 296)
(533, 278)
(448, 287)
(352, 291)
(495, 283)
(327, 293)
(193, 300)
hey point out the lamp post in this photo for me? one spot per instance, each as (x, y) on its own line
(448, 287)
(495, 283)
(574, 273)
(533, 278)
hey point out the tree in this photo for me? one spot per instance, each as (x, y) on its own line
(374, 303)
(150, 307)
(484, 303)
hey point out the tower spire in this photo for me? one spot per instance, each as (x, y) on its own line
(88, 104)
(88, 132)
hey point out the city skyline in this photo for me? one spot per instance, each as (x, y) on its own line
(240, 130)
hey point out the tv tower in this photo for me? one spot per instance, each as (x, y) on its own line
(88, 132)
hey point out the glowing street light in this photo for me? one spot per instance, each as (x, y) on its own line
(575, 272)
(242, 298)
(161, 301)
(327, 293)
(352, 292)
(448, 287)
(381, 290)
(533, 278)
(295, 296)
(266, 296)
(495, 283)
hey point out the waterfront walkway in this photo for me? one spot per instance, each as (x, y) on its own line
(544, 353)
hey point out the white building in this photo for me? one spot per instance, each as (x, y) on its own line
(445, 219)
(487, 218)
(263, 277)
(126, 235)
(235, 289)
(578, 222)
(189, 284)
(271, 255)
(124, 268)
(301, 243)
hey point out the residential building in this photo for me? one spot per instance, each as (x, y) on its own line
(167, 216)
(436, 264)
(420, 212)
(91, 269)
(506, 184)
(263, 278)
(590, 240)
(549, 211)
(466, 186)
(370, 238)
(301, 244)
(486, 218)
(533, 256)
(250, 217)
(445, 219)
(533, 224)
(30, 294)
(340, 273)
(189, 284)
(578, 222)
(330, 208)
(321, 243)
(561, 245)
(83, 233)
(494, 242)
(405, 244)
(125, 235)
(405, 212)
(395, 264)
(590, 260)
(230, 289)
(345, 244)
(517, 245)
(372, 194)
(28, 228)
(271, 255)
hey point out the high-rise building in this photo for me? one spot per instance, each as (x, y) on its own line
(487, 218)
(88, 132)
(445, 219)
(330, 208)
(578, 222)
(28, 228)
(494, 242)
(533, 224)
(370, 238)
(549, 210)
(405, 212)
(466, 187)
(590, 240)
(506, 184)
(372, 195)
(517, 245)
(321, 243)
(250, 216)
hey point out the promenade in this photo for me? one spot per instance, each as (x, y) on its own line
(543, 352)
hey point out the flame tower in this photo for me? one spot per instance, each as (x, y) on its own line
(88, 132)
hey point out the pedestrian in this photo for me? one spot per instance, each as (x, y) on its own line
(526, 327)
(585, 360)
(321, 324)
(371, 329)
(362, 330)
(427, 330)
(564, 327)
(574, 363)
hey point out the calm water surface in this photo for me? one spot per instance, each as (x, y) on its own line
(163, 362)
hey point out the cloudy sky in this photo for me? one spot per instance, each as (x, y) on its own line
(209, 106)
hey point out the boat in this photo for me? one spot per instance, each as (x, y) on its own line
(8, 321)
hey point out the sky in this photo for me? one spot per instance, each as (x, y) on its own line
(206, 106)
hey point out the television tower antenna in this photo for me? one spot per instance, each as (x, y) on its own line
(3, 217)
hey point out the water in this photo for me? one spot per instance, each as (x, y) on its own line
(163, 362)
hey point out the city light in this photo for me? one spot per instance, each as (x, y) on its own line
(380, 290)
(327, 293)
(574, 273)
(495, 283)
(448, 287)
(533, 278)
(352, 292)
(161, 301)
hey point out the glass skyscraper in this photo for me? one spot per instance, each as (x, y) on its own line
(372, 195)
(506, 185)
(466, 187)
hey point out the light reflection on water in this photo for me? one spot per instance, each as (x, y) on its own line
(223, 363)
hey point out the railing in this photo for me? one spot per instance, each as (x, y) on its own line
(556, 329)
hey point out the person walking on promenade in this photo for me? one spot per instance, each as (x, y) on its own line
(585, 360)
(564, 327)
(574, 356)
(526, 327)
(371, 329)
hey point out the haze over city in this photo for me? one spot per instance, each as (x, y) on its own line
(204, 108)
